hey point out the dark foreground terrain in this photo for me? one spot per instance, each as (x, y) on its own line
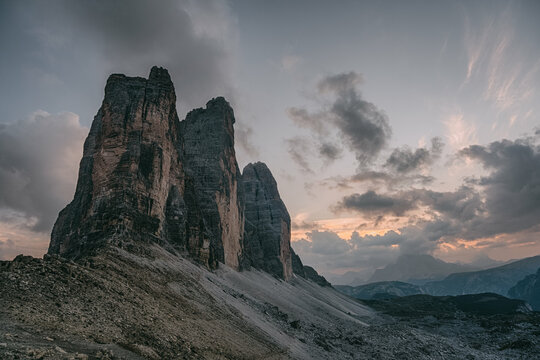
(486, 322)
(121, 306)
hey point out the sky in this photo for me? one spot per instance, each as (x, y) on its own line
(391, 127)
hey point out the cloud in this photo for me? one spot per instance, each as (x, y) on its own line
(327, 243)
(364, 127)
(315, 122)
(460, 133)
(359, 124)
(511, 189)
(38, 165)
(289, 62)
(504, 201)
(404, 160)
(372, 203)
(334, 254)
(390, 180)
(196, 41)
(339, 83)
(491, 43)
(299, 149)
(242, 135)
(329, 151)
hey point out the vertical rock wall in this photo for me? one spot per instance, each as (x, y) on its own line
(146, 177)
(130, 162)
(268, 224)
(210, 163)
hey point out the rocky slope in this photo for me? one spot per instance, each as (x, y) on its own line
(268, 224)
(120, 305)
(528, 289)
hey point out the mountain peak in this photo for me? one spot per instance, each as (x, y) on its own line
(159, 74)
(147, 178)
(417, 268)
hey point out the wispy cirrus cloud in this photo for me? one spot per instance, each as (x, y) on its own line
(494, 60)
(459, 132)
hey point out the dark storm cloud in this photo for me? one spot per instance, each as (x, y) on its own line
(377, 178)
(463, 204)
(512, 187)
(372, 203)
(38, 165)
(364, 127)
(191, 39)
(405, 160)
(505, 201)
(451, 207)
(359, 124)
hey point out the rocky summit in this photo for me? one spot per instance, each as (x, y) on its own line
(147, 177)
(168, 251)
(268, 224)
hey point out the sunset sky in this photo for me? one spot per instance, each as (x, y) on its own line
(392, 127)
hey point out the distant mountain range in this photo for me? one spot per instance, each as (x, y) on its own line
(496, 280)
(528, 289)
(418, 269)
(519, 279)
(414, 269)
(380, 290)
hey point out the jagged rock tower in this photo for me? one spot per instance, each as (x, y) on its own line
(268, 224)
(148, 178)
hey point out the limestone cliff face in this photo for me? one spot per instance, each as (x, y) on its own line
(210, 164)
(268, 224)
(130, 163)
(146, 177)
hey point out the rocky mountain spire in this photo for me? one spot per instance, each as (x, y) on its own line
(210, 165)
(147, 179)
(131, 161)
(268, 224)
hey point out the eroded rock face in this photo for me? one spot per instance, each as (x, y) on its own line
(297, 265)
(146, 177)
(131, 161)
(268, 224)
(210, 163)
